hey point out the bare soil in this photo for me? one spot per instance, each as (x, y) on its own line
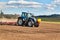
(46, 31)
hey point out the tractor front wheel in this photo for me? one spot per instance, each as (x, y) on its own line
(36, 25)
(30, 24)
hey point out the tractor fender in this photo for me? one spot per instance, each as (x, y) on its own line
(19, 17)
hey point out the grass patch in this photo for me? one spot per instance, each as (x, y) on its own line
(51, 19)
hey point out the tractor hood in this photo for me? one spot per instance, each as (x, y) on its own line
(37, 19)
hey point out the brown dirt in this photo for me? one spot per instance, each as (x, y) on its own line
(46, 31)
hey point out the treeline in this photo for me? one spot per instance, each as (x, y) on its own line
(9, 16)
(53, 17)
(49, 16)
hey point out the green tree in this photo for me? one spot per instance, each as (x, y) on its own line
(1, 14)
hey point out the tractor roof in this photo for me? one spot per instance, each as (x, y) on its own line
(25, 12)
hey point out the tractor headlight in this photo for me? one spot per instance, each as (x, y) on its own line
(39, 20)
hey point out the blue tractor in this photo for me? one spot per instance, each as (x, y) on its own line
(28, 19)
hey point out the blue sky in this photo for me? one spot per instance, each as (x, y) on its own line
(37, 7)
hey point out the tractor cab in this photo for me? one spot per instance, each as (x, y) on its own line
(26, 15)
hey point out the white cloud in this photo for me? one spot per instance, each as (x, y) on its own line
(50, 6)
(27, 3)
(33, 6)
(13, 4)
(53, 4)
(2, 5)
(56, 2)
(23, 2)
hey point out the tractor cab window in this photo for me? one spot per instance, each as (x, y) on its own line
(30, 15)
(24, 14)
